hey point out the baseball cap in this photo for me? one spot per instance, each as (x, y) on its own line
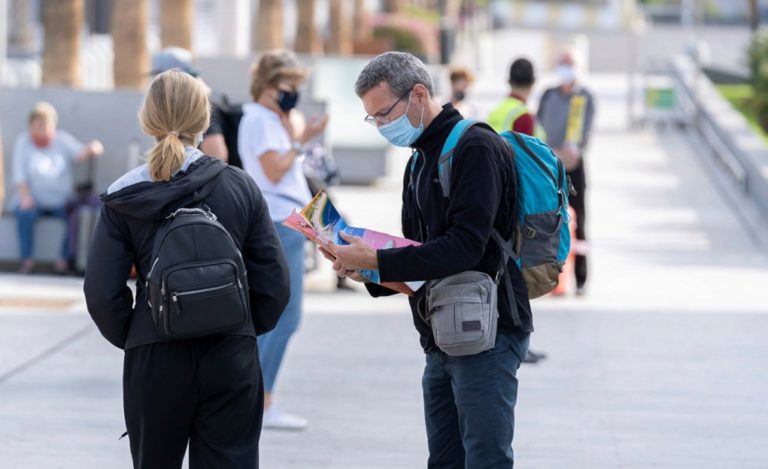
(173, 57)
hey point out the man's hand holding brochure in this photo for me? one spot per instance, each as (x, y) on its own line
(320, 222)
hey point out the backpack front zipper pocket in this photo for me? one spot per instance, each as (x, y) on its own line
(208, 309)
(202, 298)
(175, 296)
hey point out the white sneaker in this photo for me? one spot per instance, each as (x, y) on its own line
(276, 419)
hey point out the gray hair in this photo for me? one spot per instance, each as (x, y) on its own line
(401, 70)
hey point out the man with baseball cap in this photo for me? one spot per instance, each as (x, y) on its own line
(173, 57)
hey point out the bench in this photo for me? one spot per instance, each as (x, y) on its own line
(48, 235)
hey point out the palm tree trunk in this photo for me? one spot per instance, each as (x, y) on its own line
(754, 15)
(451, 9)
(363, 27)
(395, 6)
(340, 27)
(307, 38)
(129, 32)
(176, 20)
(21, 35)
(267, 31)
(62, 23)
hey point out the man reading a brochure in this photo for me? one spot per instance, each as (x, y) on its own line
(469, 397)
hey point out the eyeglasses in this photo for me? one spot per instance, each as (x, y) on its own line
(381, 118)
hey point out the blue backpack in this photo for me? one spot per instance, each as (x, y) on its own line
(542, 240)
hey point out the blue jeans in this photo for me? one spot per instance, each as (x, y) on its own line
(272, 345)
(25, 223)
(469, 405)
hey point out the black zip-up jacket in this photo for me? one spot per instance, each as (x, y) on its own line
(455, 231)
(125, 232)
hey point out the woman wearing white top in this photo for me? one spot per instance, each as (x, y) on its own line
(270, 146)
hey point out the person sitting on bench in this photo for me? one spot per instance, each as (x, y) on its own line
(42, 173)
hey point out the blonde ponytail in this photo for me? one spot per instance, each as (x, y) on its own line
(175, 111)
(165, 158)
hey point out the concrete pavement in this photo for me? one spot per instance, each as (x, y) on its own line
(662, 365)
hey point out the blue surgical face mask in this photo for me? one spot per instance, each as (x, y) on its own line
(400, 132)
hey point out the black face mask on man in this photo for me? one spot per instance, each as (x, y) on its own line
(287, 100)
(459, 95)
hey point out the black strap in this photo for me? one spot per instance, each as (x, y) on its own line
(507, 251)
(507, 247)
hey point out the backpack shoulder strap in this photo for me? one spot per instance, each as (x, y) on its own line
(445, 162)
(507, 251)
(506, 248)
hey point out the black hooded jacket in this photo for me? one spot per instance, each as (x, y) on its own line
(455, 231)
(125, 233)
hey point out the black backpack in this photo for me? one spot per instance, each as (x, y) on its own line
(197, 283)
(228, 116)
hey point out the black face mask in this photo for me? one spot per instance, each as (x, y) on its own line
(459, 95)
(287, 100)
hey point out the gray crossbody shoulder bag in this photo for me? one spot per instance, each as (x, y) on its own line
(462, 309)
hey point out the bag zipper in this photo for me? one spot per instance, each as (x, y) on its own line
(415, 192)
(176, 295)
(152, 269)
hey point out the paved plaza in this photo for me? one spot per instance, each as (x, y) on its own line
(663, 364)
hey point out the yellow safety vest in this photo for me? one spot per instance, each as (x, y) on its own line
(505, 115)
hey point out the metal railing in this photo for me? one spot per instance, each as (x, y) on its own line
(722, 150)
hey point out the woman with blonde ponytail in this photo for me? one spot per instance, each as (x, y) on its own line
(204, 393)
(174, 124)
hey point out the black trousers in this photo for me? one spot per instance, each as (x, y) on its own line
(578, 203)
(206, 392)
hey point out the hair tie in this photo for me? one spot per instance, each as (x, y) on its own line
(174, 133)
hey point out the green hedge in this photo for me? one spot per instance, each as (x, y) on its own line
(403, 40)
(758, 64)
(741, 97)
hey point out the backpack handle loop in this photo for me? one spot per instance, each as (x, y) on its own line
(185, 210)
